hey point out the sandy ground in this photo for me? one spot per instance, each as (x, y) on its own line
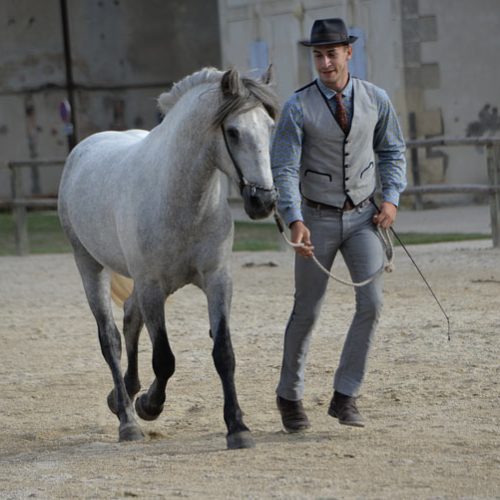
(432, 406)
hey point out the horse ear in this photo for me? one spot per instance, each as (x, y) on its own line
(268, 76)
(163, 102)
(231, 83)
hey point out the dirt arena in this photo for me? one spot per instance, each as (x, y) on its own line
(432, 406)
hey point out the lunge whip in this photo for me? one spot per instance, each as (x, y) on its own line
(421, 274)
(424, 279)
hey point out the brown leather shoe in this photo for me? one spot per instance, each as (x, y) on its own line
(345, 410)
(293, 416)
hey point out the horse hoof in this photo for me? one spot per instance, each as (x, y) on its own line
(112, 402)
(112, 405)
(131, 432)
(238, 440)
(145, 411)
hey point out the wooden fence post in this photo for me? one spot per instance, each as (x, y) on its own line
(19, 212)
(494, 177)
(415, 168)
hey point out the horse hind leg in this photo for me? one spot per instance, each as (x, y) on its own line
(132, 326)
(152, 301)
(96, 285)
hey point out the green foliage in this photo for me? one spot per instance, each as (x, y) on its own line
(45, 235)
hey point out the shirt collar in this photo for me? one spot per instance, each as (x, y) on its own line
(329, 93)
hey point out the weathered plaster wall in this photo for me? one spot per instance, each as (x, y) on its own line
(124, 54)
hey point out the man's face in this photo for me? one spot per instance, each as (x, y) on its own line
(331, 62)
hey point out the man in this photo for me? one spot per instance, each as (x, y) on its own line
(323, 161)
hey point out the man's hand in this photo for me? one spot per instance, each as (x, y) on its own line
(387, 215)
(300, 234)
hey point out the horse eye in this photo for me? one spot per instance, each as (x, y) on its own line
(233, 133)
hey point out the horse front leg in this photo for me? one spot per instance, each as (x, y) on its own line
(152, 303)
(218, 289)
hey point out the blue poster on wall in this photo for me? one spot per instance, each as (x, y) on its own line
(357, 65)
(259, 57)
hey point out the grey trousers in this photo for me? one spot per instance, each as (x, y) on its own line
(355, 235)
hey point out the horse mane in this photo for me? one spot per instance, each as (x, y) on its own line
(239, 93)
(167, 100)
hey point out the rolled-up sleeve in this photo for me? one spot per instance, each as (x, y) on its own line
(389, 146)
(286, 153)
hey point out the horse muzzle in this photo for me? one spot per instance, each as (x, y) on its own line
(258, 202)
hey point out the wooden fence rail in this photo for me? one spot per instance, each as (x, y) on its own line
(492, 145)
(19, 203)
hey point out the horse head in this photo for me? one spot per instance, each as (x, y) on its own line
(246, 119)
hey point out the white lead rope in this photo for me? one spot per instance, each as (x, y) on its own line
(382, 233)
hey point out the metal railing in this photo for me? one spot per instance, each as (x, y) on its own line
(19, 203)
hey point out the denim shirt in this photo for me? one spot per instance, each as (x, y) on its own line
(286, 151)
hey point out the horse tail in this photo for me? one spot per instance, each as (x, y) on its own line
(121, 288)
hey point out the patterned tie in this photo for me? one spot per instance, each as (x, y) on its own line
(341, 113)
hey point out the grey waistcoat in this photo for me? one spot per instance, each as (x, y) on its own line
(333, 165)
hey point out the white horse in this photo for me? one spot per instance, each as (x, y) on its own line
(150, 206)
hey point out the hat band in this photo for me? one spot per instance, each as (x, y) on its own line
(330, 37)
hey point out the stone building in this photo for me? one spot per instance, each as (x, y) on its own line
(435, 58)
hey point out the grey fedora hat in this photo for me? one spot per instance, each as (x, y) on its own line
(329, 32)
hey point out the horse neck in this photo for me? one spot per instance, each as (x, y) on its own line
(186, 164)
